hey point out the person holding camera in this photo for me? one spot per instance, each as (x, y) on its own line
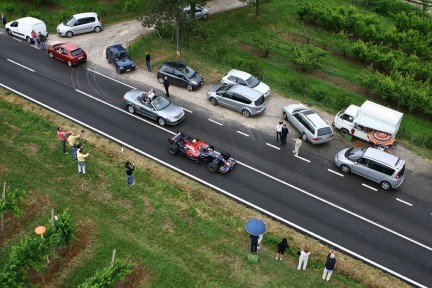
(73, 143)
(129, 170)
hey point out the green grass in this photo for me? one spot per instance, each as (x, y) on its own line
(230, 32)
(182, 234)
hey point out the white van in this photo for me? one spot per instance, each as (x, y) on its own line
(23, 27)
(80, 23)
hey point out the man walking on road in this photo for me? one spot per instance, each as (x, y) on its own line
(278, 131)
(166, 85)
(284, 134)
(298, 143)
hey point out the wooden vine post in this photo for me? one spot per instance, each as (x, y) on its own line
(113, 258)
(4, 208)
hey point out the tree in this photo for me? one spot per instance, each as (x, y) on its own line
(256, 3)
(162, 13)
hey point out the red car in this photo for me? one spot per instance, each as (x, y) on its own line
(67, 52)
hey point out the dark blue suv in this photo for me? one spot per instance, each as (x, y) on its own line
(117, 54)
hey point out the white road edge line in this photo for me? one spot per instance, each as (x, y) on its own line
(187, 110)
(268, 144)
(220, 124)
(247, 135)
(405, 202)
(17, 39)
(100, 74)
(304, 159)
(25, 67)
(337, 173)
(367, 186)
(268, 213)
(123, 111)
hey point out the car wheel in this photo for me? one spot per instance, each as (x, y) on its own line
(29, 40)
(118, 71)
(9, 32)
(285, 115)
(304, 137)
(189, 87)
(245, 113)
(345, 168)
(213, 101)
(205, 16)
(131, 109)
(173, 149)
(161, 80)
(214, 167)
(161, 121)
(69, 63)
(109, 61)
(385, 185)
(344, 131)
(51, 55)
(69, 34)
(97, 29)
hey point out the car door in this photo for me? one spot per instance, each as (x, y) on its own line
(242, 82)
(89, 24)
(64, 55)
(147, 110)
(361, 167)
(297, 121)
(79, 26)
(110, 57)
(224, 98)
(379, 172)
(14, 28)
(178, 78)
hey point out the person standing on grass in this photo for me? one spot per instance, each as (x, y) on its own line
(62, 135)
(298, 143)
(81, 160)
(166, 85)
(304, 257)
(147, 59)
(253, 243)
(42, 41)
(129, 170)
(73, 141)
(284, 134)
(4, 20)
(279, 131)
(329, 266)
(281, 248)
(35, 38)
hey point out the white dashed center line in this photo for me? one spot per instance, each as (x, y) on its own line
(304, 159)
(220, 124)
(186, 110)
(16, 63)
(268, 144)
(404, 202)
(334, 172)
(374, 189)
(247, 135)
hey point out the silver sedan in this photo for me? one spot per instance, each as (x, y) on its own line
(159, 108)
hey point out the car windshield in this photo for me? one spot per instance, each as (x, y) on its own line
(122, 55)
(160, 103)
(76, 52)
(324, 131)
(69, 21)
(188, 71)
(223, 88)
(252, 82)
(354, 154)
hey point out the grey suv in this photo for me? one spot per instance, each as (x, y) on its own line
(238, 97)
(373, 164)
(117, 54)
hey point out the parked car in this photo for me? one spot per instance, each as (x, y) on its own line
(373, 164)
(309, 124)
(79, 24)
(23, 27)
(200, 11)
(118, 55)
(238, 97)
(69, 53)
(236, 76)
(180, 75)
(160, 109)
(202, 153)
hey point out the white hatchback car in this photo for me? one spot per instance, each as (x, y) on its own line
(80, 23)
(243, 78)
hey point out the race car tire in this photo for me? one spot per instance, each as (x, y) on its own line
(174, 149)
(214, 167)
(225, 155)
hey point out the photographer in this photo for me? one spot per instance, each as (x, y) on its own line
(74, 144)
(129, 170)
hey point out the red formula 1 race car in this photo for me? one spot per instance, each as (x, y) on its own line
(200, 152)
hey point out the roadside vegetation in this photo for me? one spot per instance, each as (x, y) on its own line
(176, 232)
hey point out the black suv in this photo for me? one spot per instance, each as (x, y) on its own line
(123, 62)
(180, 75)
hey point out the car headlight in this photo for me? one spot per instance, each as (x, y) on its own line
(193, 82)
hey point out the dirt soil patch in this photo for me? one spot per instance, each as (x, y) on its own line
(139, 276)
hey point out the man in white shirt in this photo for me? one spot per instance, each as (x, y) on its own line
(279, 131)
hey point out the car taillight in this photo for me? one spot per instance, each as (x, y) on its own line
(398, 175)
(316, 138)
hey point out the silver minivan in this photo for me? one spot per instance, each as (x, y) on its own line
(80, 23)
(373, 164)
(238, 97)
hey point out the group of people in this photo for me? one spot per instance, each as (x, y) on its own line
(39, 38)
(282, 134)
(149, 96)
(303, 254)
(76, 148)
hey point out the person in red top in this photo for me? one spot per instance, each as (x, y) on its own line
(35, 38)
(62, 135)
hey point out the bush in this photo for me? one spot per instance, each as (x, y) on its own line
(35, 14)
(9, 9)
(308, 57)
(297, 85)
(249, 65)
(109, 275)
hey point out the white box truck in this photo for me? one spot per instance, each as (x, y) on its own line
(360, 121)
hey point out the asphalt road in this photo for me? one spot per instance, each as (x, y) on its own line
(306, 193)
